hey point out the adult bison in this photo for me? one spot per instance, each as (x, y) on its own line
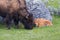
(16, 10)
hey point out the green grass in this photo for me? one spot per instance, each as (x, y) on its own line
(54, 3)
(43, 33)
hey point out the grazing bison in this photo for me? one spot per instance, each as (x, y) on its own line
(16, 10)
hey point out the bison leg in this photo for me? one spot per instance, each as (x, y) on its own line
(16, 22)
(8, 21)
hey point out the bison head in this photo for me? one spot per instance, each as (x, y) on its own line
(28, 21)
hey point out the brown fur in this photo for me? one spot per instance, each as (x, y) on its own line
(15, 9)
(12, 6)
(42, 22)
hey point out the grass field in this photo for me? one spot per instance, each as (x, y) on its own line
(43, 33)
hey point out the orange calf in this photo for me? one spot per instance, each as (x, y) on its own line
(42, 22)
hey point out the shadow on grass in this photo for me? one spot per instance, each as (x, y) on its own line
(3, 26)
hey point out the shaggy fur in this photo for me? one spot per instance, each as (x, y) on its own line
(42, 22)
(16, 10)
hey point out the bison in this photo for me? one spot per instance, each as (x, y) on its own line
(16, 10)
